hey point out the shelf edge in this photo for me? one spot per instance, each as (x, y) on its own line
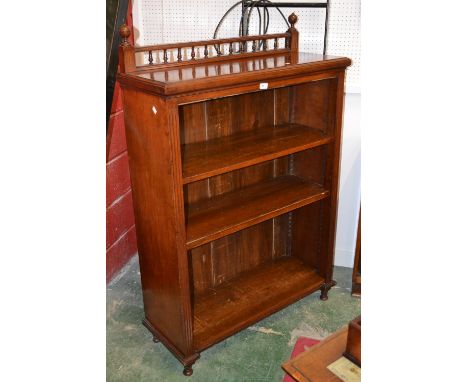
(256, 220)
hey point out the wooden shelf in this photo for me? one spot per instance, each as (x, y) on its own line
(238, 303)
(222, 215)
(217, 156)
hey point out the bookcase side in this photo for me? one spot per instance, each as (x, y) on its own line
(332, 174)
(152, 134)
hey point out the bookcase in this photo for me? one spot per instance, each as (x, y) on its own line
(234, 148)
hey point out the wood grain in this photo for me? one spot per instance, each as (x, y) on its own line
(236, 304)
(356, 287)
(311, 366)
(203, 77)
(160, 236)
(353, 343)
(230, 212)
(205, 159)
(235, 188)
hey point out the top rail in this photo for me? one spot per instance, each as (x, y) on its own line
(211, 42)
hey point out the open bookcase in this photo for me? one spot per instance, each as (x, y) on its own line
(234, 149)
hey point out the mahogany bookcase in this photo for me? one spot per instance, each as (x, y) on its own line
(234, 148)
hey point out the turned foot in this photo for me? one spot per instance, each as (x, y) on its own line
(323, 294)
(188, 370)
(155, 340)
(325, 288)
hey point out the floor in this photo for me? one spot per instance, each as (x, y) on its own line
(253, 355)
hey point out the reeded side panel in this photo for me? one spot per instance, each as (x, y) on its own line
(152, 140)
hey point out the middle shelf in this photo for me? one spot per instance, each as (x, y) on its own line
(224, 214)
(216, 156)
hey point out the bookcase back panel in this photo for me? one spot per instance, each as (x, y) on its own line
(306, 234)
(221, 260)
(227, 257)
(312, 104)
(298, 233)
(221, 117)
(309, 164)
(226, 116)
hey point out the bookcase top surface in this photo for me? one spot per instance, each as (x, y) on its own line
(208, 75)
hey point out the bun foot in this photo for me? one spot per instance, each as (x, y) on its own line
(188, 371)
(325, 288)
(324, 295)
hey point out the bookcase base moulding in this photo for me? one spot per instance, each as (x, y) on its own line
(234, 148)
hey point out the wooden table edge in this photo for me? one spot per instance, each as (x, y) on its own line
(296, 374)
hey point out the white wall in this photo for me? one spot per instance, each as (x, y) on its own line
(350, 182)
(162, 21)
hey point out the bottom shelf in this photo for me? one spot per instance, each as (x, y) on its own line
(236, 304)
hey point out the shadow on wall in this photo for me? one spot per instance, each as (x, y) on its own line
(350, 183)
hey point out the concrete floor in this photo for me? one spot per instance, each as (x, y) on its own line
(253, 355)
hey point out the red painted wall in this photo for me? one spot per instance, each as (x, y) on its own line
(120, 222)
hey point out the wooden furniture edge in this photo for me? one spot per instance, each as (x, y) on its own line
(158, 336)
(353, 342)
(356, 279)
(127, 51)
(240, 164)
(231, 80)
(225, 231)
(289, 367)
(128, 73)
(273, 309)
